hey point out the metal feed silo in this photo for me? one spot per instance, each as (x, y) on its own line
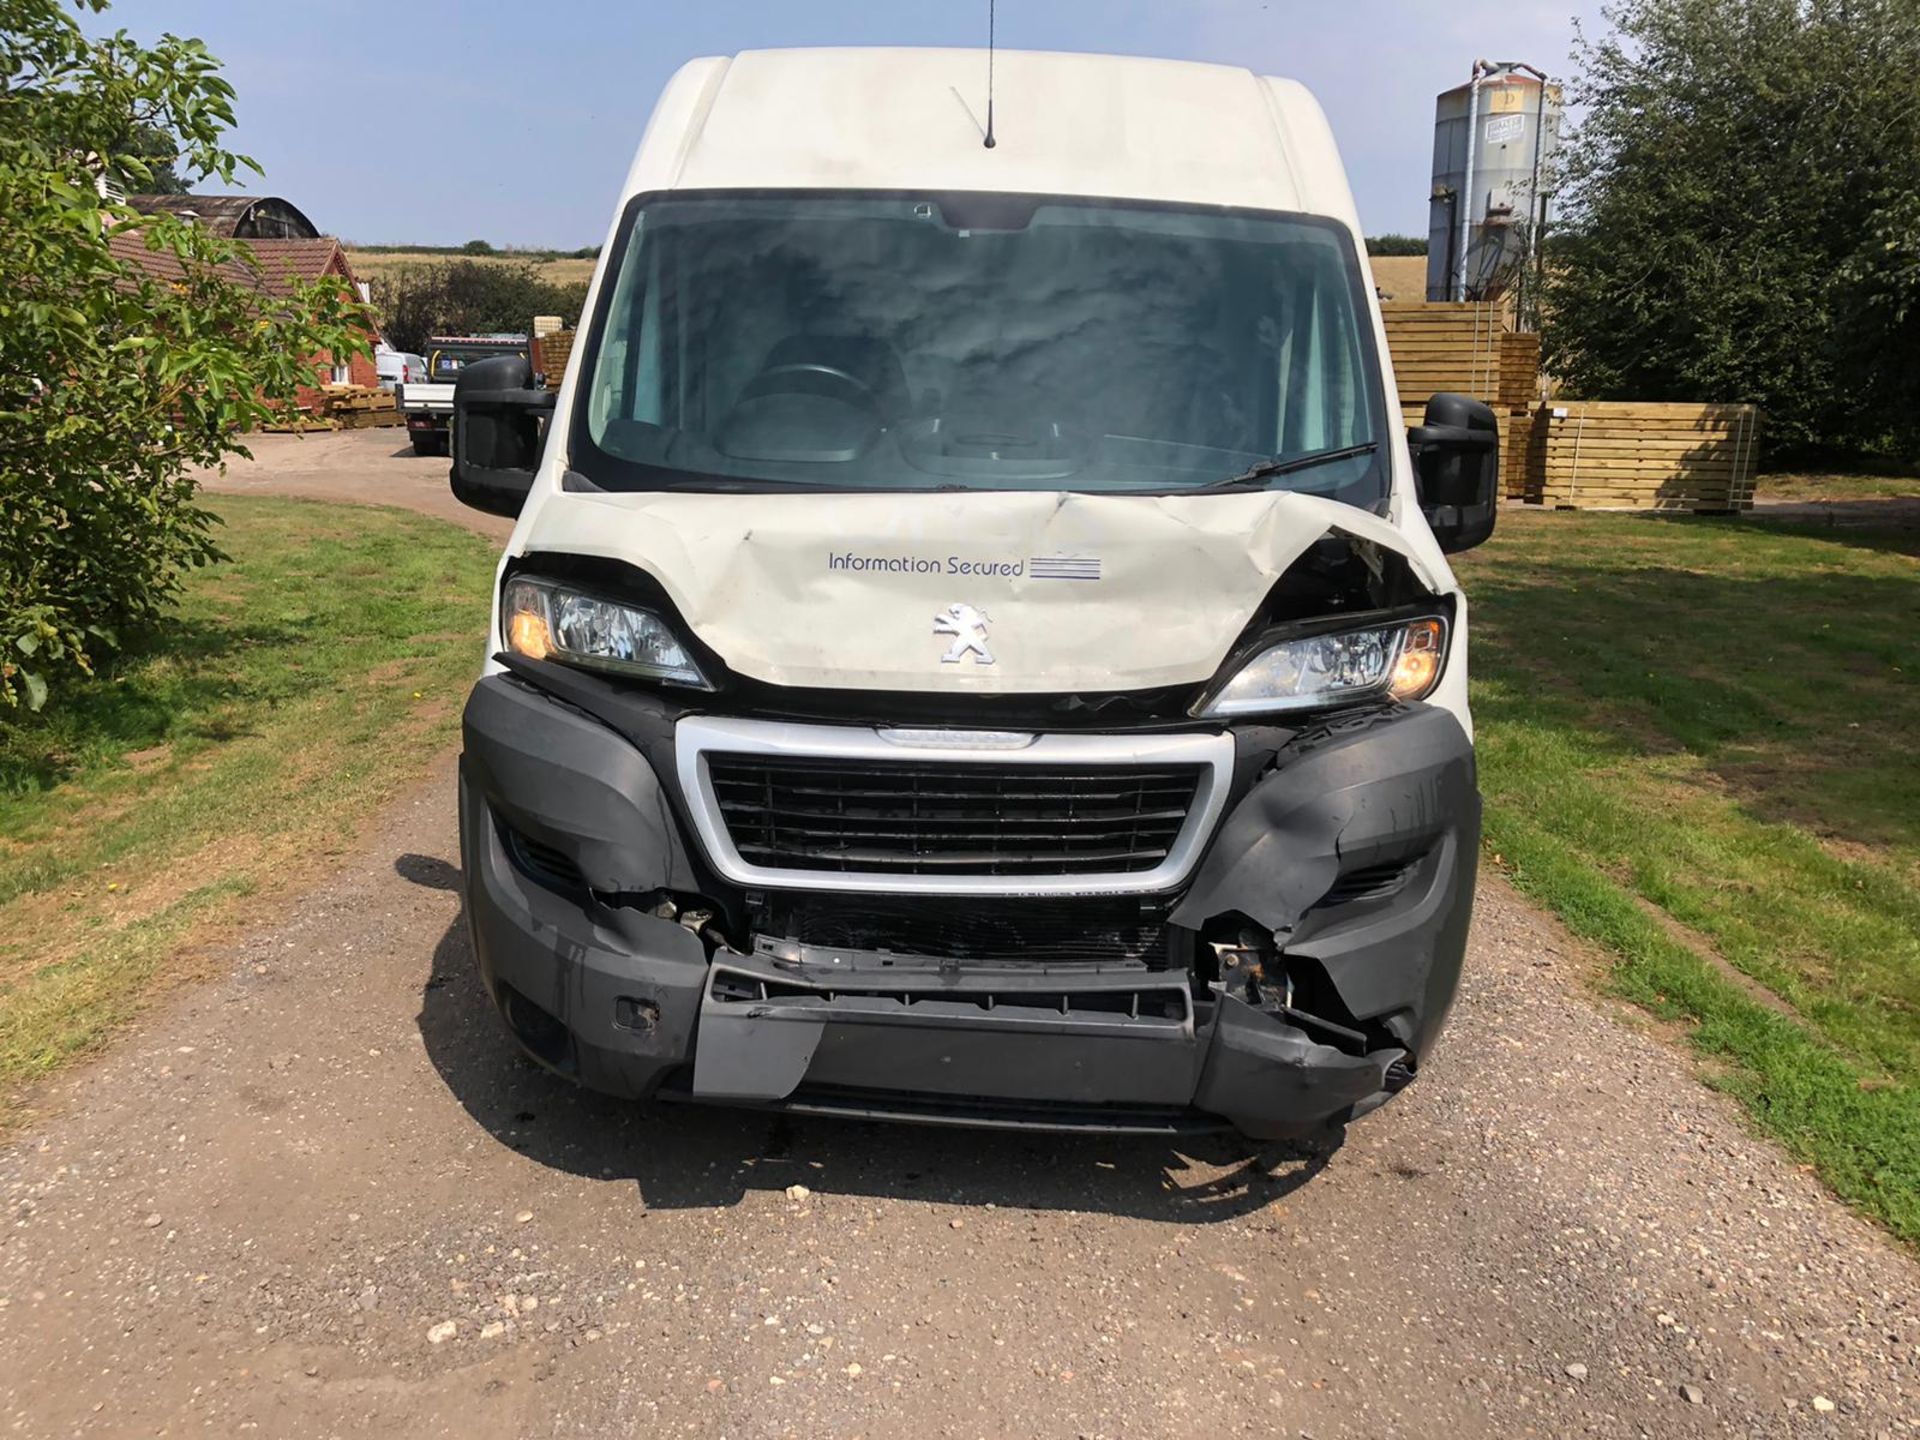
(1493, 144)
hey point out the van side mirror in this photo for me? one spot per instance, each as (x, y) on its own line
(499, 422)
(1456, 470)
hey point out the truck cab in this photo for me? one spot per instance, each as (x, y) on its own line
(977, 645)
(426, 399)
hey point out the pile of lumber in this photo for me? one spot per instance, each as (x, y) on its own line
(1467, 349)
(358, 407)
(550, 352)
(1463, 348)
(341, 407)
(1632, 455)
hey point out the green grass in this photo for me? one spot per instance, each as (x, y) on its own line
(1820, 485)
(1698, 744)
(297, 688)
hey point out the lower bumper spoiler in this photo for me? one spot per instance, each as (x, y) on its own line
(1094, 1045)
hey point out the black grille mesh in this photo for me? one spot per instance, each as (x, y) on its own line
(930, 818)
(1009, 928)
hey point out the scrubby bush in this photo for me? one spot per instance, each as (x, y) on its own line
(115, 385)
(467, 297)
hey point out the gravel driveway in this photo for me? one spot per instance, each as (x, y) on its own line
(321, 1196)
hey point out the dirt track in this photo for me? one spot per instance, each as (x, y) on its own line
(256, 1210)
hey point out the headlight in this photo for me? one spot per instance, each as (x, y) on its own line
(548, 621)
(1400, 661)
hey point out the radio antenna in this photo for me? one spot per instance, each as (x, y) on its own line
(990, 4)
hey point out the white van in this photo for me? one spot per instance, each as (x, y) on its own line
(977, 645)
(397, 367)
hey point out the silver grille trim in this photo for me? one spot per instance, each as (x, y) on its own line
(698, 736)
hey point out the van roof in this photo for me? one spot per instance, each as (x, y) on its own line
(1066, 124)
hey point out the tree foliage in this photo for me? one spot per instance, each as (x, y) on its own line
(1741, 216)
(1395, 244)
(114, 384)
(467, 297)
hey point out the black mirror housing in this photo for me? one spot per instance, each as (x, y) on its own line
(1456, 469)
(499, 424)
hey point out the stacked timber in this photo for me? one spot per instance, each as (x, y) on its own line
(340, 407)
(550, 352)
(1632, 455)
(1466, 348)
(358, 407)
(1442, 347)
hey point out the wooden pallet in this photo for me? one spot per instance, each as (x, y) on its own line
(1630, 455)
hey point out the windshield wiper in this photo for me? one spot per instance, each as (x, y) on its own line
(1255, 478)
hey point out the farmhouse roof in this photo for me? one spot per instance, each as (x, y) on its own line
(283, 263)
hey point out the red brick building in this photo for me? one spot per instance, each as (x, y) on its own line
(288, 250)
(285, 263)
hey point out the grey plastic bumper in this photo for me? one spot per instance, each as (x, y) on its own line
(624, 1001)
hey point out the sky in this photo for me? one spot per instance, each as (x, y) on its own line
(442, 121)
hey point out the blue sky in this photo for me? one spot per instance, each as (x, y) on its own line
(438, 121)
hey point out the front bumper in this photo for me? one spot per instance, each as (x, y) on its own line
(574, 849)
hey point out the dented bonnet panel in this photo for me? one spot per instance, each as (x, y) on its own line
(1074, 591)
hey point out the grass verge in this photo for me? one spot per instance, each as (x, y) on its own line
(298, 687)
(1696, 744)
(1807, 486)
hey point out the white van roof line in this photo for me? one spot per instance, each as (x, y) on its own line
(1068, 124)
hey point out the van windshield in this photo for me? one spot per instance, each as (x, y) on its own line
(977, 341)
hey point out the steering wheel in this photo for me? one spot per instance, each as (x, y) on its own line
(811, 377)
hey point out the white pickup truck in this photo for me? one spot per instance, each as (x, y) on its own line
(428, 406)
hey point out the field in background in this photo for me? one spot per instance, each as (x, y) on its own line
(556, 270)
(1697, 744)
(300, 687)
(1400, 277)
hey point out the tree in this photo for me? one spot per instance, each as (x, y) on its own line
(114, 383)
(476, 247)
(467, 297)
(1740, 216)
(158, 150)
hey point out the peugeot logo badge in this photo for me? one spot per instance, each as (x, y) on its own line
(968, 627)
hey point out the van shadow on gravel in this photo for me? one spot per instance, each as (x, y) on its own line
(692, 1157)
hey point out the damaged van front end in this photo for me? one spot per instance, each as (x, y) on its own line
(1297, 979)
(975, 656)
(1073, 907)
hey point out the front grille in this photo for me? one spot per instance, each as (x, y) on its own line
(1007, 928)
(933, 818)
